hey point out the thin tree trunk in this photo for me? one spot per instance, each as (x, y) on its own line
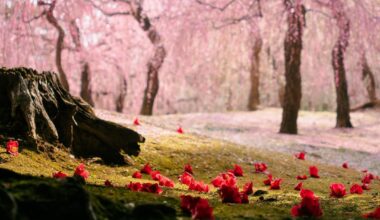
(293, 49)
(121, 97)
(338, 52)
(254, 95)
(85, 90)
(368, 79)
(59, 47)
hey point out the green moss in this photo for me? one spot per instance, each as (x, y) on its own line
(208, 157)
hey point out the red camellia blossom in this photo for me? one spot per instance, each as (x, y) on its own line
(313, 171)
(146, 169)
(303, 177)
(356, 189)
(365, 187)
(198, 208)
(188, 168)
(137, 175)
(345, 165)
(165, 181)
(268, 181)
(155, 175)
(81, 171)
(337, 190)
(59, 175)
(136, 187)
(180, 130)
(368, 177)
(309, 205)
(136, 122)
(224, 179)
(12, 147)
(244, 198)
(260, 167)
(298, 187)
(247, 188)
(186, 178)
(229, 194)
(237, 171)
(198, 186)
(108, 183)
(375, 214)
(145, 187)
(275, 184)
(300, 155)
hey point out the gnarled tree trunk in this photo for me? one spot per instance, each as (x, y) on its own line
(254, 95)
(293, 49)
(368, 79)
(38, 107)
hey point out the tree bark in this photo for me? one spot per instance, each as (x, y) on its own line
(293, 49)
(368, 79)
(254, 95)
(121, 97)
(38, 107)
(338, 52)
(59, 46)
(85, 90)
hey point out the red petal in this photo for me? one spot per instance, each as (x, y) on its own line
(298, 187)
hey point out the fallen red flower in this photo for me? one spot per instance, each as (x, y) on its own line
(186, 178)
(275, 184)
(146, 169)
(137, 175)
(356, 189)
(59, 175)
(345, 165)
(237, 171)
(244, 198)
(247, 188)
(300, 155)
(108, 183)
(224, 179)
(306, 193)
(155, 175)
(136, 187)
(81, 171)
(368, 177)
(180, 130)
(309, 205)
(375, 214)
(145, 187)
(12, 147)
(199, 208)
(268, 181)
(165, 181)
(313, 171)
(260, 167)
(229, 194)
(136, 122)
(298, 187)
(303, 177)
(188, 168)
(198, 186)
(365, 187)
(337, 190)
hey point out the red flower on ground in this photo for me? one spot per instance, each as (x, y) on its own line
(298, 187)
(136, 122)
(180, 130)
(108, 183)
(309, 205)
(275, 184)
(137, 175)
(198, 208)
(303, 177)
(237, 171)
(313, 171)
(146, 169)
(268, 181)
(188, 168)
(81, 171)
(155, 175)
(356, 189)
(198, 186)
(186, 178)
(375, 214)
(345, 165)
(337, 190)
(136, 187)
(224, 179)
(247, 188)
(300, 155)
(260, 167)
(12, 147)
(244, 198)
(165, 181)
(368, 177)
(365, 187)
(229, 194)
(59, 175)
(151, 188)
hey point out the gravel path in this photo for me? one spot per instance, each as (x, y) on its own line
(360, 147)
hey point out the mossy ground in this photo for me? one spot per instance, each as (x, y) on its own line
(209, 157)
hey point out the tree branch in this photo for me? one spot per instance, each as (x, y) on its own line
(106, 13)
(214, 6)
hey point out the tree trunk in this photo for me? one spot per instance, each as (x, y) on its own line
(38, 107)
(59, 47)
(254, 95)
(121, 97)
(293, 49)
(368, 79)
(342, 99)
(85, 90)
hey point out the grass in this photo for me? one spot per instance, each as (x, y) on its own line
(208, 157)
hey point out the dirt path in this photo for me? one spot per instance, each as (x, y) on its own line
(360, 146)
